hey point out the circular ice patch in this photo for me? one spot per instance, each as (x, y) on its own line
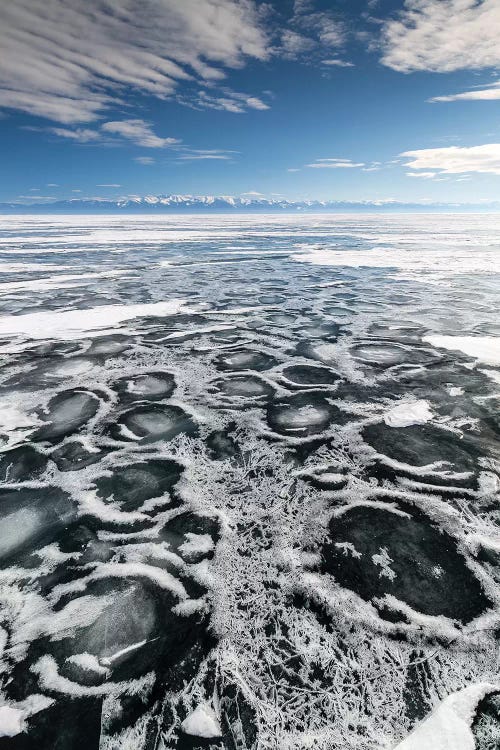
(245, 359)
(66, 413)
(376, 552)
(149, 422)
(151, 385)
(301, 415)
(132, 485)
(383, 355)
(245, 386)
(310, 375)
(21, 464)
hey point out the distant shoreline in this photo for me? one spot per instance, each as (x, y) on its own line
(84, 209)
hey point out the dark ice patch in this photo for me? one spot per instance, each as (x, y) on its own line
(73, 455)
(67, 413)
(320, 330)
(244, 359)
(180, 529)
(271, 299)
(221, 445)
(32, 517)
(132, 485)
(245, 386)
(380, 354)
(304, 375)
(300, 415)
(22, 464)
(419, 445)
(423, 567)
(67, 724)
(149, 422)
(109, 346)
(152, 386)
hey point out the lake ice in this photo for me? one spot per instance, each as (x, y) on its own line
(249, 474)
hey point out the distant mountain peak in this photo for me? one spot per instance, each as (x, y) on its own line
(230, 204)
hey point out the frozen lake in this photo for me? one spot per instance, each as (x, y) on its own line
(250, 481)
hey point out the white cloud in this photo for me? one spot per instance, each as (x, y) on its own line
(338, 63)
(310, 33)
(82, 135)
(138, 131)
(456, 160)
(255, 103)
(303, 6)
(491, 93)
(231, 101)
(443, 35)
(202, 154)
(423, 175)
(335, 164)
(330, 31)
(145, 160)
(68, 60)
(294, 44)
(38, 198)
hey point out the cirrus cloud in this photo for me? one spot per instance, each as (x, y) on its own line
(146, 161)
(422, 175)
(69, 60)
(442, 36)
(81, 135)
(138, 131)
(335, 164)
(337, 63)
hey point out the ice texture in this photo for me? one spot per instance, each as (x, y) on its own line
(249, 482)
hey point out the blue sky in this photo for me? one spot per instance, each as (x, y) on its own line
(347, 100)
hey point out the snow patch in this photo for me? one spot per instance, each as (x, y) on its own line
(196, 544)
(484, 348)
(89, 663)
(202, 722)
(441, 263)
(448, 727)
(408, 413)
(71, 324)
(60, 281)
(11, 721)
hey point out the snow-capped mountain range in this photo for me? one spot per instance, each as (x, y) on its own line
(227, 204)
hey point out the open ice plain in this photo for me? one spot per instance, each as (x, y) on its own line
(250, 482)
